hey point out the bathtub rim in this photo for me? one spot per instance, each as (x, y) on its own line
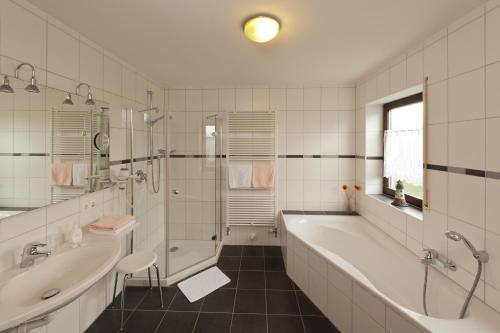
(475, 321)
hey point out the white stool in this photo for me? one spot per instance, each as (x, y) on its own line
(134, 263)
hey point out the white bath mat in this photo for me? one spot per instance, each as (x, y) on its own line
(202, 284)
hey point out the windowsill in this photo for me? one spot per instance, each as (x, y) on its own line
(410, 210)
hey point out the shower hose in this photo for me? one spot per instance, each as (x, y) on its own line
(469, 295)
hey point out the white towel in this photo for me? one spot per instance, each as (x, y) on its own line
(240, 175)
(80, 174)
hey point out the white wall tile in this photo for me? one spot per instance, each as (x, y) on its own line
(466, 48)
(492, 206)
(312, 99)
(466, 96)
(62, 53)
(493, 36)
(22, 35)
(466, 199)
(438, 102)
(415, 69)
(112, 76)
(467, 144)
(435, 61)
(492, 96)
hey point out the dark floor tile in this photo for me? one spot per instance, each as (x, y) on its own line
(278, 280)
(250, 301)
(178, 322)
(231, 251)
(252, 263)
(251, 280)
(221, 300)
(133, 296)
(213, 323)
(253, 251)
(229, 263)
(281, 324)
(275, 264)
(294, 286)
(151, 300)
(108, 322)
(307, 308)
(249, 323)
(282, 302)
(319, 325)
(272, 251)
(181, 303)
(144, 321)
(233, 275)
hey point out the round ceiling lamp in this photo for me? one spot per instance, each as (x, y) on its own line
(261, 28)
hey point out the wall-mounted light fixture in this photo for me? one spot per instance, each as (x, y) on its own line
(90, 99)
(31, 87)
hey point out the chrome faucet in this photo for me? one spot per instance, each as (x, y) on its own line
(31, 252)
(431, 256)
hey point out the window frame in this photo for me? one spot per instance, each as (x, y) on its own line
(413, 99)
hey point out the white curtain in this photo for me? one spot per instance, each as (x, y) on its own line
(403, 155)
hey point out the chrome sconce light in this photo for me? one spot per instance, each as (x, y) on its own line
(90, 99)
(5, 87)
(68, 100)
(32, 87)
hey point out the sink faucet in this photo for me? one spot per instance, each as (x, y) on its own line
(31, 252)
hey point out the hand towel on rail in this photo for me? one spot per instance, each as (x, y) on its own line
(263, 175)
(62, 174)
(80, 174)
(240, 175)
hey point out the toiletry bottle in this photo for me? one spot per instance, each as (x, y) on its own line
(76, 235)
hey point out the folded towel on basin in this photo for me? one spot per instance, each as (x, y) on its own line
(263, 175)
(62, 174)
(240, 175)
(111, 222)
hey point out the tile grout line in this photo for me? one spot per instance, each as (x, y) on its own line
(235, 295)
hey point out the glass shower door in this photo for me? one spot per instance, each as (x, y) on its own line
(193, 175)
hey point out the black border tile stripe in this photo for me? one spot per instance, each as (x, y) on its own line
(137, 159)
(24, 154)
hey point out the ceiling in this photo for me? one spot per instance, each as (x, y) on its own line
(200, 42)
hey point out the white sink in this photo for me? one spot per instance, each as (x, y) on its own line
(72, 271)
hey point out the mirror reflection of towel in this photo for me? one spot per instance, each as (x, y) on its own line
(80, 174)
(62, 174)
(263, 175)
(240, 175)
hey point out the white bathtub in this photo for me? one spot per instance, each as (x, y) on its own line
(365, 282)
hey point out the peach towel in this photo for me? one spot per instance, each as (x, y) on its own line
(263, 175)
(62, 174)
(111, 222)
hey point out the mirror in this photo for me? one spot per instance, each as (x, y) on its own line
(50, 151)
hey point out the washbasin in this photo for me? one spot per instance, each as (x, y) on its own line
(56, 281)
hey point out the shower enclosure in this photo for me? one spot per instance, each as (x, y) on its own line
(194, 186)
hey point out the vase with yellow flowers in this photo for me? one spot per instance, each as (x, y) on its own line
(349, 194)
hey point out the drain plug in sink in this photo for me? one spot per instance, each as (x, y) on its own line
(174, 249)
(50, 293)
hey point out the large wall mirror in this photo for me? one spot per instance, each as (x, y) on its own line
(53, 147)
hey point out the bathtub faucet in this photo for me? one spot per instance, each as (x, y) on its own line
(431, 256)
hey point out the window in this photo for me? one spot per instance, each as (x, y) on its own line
(403, 147)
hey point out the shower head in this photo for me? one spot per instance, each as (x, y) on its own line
(5, 87)
(32, 87)
(457, 237)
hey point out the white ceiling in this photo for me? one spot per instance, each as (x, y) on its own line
(200, 42)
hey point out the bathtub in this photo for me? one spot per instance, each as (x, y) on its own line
(366, 282)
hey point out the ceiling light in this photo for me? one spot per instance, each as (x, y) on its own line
(261, 28)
